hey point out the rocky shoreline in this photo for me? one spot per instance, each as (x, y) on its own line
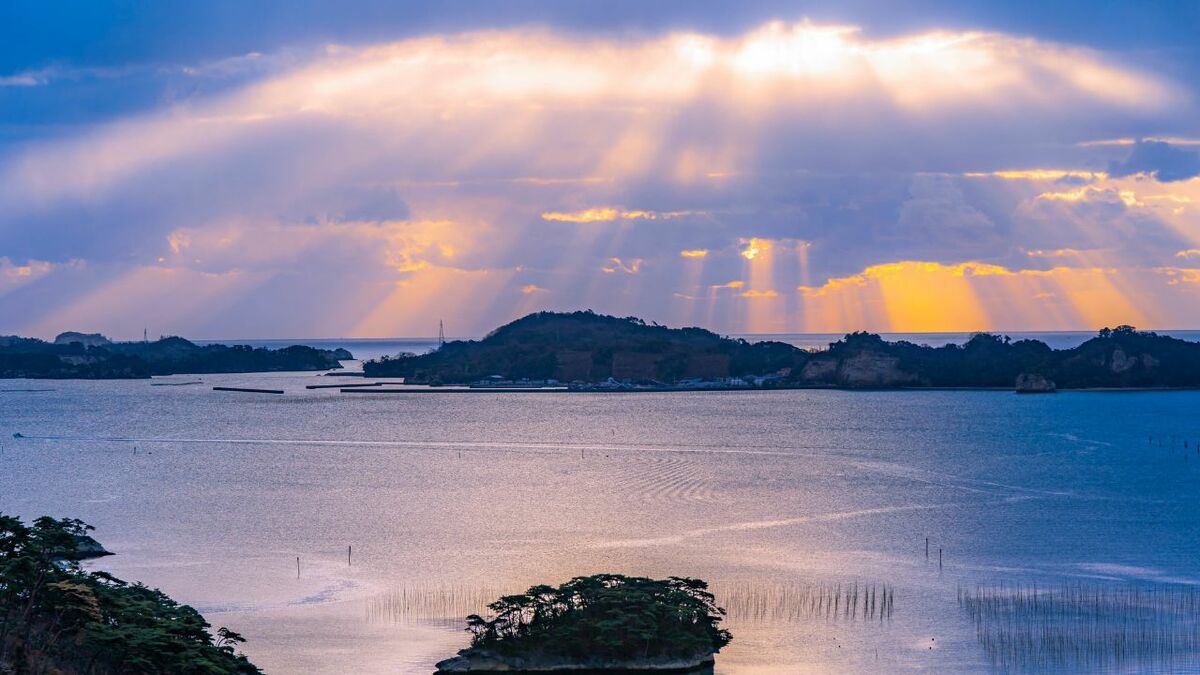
(485, 661)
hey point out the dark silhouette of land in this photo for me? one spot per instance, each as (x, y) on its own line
(92, 356)
(599, 623)
(594, 351)
(56, 617)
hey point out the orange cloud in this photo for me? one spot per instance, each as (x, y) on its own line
(530, 289)
(754, 247)
(694, 253)
(631, 266)
(759, 294)
(1091, 194)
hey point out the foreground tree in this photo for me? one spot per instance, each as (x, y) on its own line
(56, 617)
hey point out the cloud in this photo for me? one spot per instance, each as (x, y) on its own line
(366, 187)
(1040, 174)
(14, 275)
(631, 266)
(759, 294)
(606, 214)
(754, 247)
(530, 289)
(1165, 162)
(32, 78)
(1056, 253)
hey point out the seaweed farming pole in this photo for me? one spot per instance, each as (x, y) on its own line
(249, 390)
(297, 567)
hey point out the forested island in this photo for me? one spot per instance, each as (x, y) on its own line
(92, 356)
(56, 617)
(598, 623)
(596, 352)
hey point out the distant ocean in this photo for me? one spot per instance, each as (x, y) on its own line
(373, 348)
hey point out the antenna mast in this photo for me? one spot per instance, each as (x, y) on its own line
(441, 334)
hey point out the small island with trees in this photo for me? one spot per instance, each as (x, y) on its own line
(586, 351)
(55, 617)
(92, 356)
(605, 623)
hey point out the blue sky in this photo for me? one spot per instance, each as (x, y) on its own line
(306, 169)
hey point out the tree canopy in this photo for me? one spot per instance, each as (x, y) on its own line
(56, 617)
(606, 617)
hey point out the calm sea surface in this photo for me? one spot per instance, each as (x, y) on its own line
(783, 500)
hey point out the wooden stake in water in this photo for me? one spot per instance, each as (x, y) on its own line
(939, 558)
(297, 567)
(348, 550)
(927, 548)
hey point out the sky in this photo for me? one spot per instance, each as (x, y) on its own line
(368, 169)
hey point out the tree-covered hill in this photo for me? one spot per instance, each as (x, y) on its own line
(94, 357)
(591, 348)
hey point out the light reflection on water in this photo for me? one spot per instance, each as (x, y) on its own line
(763, 494)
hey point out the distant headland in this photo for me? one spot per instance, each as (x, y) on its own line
(588, 351)
(92, 356)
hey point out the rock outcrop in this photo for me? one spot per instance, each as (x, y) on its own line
(473, 660)
(85, 339)
(1032, 383)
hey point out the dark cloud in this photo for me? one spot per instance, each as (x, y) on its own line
(1162, 160)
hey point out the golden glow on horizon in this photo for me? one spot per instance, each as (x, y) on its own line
(914, 296)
